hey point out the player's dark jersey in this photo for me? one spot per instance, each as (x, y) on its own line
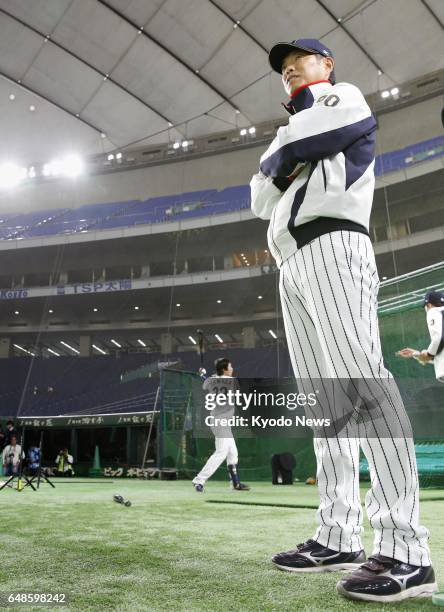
(221, 385)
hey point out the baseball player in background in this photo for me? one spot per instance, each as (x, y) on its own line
(315, 186)
(221, 382)
(434, 354)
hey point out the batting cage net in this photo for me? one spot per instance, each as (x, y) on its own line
(402, 323)
(180, 393)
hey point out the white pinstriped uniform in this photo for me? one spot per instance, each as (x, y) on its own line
(329, 300)
(328, 287)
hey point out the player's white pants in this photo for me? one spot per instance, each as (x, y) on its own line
(226, 449)
(329, 301)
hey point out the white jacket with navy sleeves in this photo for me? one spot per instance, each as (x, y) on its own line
(328, 148)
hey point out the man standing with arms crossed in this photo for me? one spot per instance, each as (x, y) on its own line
(315, 185)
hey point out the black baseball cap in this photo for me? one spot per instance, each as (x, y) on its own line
(435, 298)
(280, 51)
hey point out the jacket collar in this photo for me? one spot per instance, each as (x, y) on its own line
(304, 97)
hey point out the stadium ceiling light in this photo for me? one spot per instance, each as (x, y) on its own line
(74, 350)
(259, 297)
(102, 135)
(170, 124)
(385, 93)
(272, 334)
(192, 339)
(11, 175)
(110, 157)
(16, 312)
(116, 343)
(118, 155)
(218, 338)
(97, 348)
(178, 305)
(50, 311)
(95, 310)
(24, 350)
(219, 301)
(384, 278)
(176, 145)
(252, 130)
(394, 91)
(136, 307)
(32, 108)
(237, 111)
(53, 352)
(141, 342)
(184, 144)
(11, 97)
(71, 165)
(243, 132)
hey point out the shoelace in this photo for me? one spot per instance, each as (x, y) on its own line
(304, 545)
(378, 563)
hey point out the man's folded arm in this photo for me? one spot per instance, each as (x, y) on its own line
(325, 129)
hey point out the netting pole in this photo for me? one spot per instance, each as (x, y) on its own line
(150, 429)
(160, 421)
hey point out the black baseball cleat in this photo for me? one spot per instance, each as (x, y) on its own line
(313, 557)
(199, 488)
(240, 486)
(386, 580)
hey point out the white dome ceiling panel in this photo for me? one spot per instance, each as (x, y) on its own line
(94, 33)
(121, 117)
(62, 78)
(153, 75)
(139, 11)
(285, 20)
(269, 93)
(351, 64)
(40, 14)
(18, 47)
(39, 136)
(193, 29)
(402, 37)
(238, 9)
(236, 64)
(437, 6)
(343, 8)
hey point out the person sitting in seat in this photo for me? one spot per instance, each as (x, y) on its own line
(64, 463)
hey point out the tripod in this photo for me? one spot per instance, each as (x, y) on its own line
(19, 476)
(40, 476)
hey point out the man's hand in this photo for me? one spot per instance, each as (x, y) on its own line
(408, 353)
(422, 356)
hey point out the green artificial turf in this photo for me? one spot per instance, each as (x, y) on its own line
(172, 550)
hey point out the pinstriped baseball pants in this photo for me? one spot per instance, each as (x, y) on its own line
(328, 292)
